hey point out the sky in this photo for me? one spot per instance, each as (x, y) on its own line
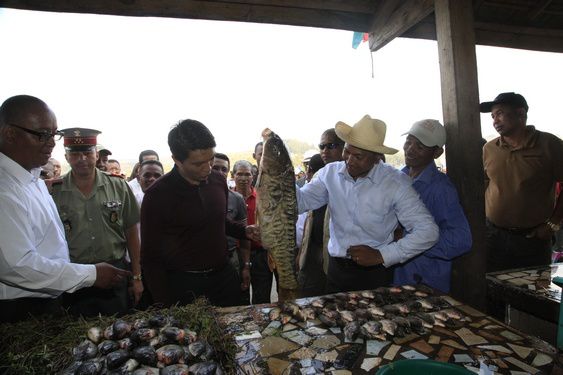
(134, 78)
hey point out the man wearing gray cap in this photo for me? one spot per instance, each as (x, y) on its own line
(34, 263)
(424, 143)
(100, 215)
(367, 199)
(522, 167)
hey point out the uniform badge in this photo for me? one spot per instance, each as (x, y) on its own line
(113, 207)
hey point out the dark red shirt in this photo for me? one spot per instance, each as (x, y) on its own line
(251, 214)
(184, 228)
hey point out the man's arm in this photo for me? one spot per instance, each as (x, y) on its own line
(313, 195)
(152, 262)
(421, 232)
(455, 234)
(133, 247)
(22, 266)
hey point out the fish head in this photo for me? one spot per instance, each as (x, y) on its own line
(275, 157)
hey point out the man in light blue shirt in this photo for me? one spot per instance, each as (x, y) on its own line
(424, 143)
(367, 200)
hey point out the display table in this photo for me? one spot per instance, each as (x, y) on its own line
(269, 344)
(529, 289)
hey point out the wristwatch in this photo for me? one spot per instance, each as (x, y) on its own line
(554, 227)
(248, 264)
(138, 277)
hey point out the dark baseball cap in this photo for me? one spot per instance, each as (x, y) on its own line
(510, 98)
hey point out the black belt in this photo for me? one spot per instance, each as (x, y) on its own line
(208, 271)
(513, 230)
(350, 264)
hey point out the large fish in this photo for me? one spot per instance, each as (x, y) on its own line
(277, 211)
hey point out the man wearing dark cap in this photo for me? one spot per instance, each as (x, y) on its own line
(100, 215)
(34, 262)
(522, 167)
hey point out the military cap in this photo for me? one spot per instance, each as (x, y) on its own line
(80, 139)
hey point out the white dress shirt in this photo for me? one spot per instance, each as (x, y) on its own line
(34, 260)
(136, 188)
(367, 211)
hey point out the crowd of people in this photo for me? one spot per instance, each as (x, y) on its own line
(94, 242)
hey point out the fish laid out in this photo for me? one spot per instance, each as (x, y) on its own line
(153, 346)
(377, 314)
(277, 211)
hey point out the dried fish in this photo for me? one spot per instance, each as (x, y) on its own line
(372, 330)
(146, 355)
(170, 354)
(388, 326)
(120, 329)
(107, 346)
(116, 358)
(351, 330)
(90, 367)
(274, 313)
(85, 350)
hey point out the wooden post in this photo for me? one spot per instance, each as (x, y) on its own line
(460, 105)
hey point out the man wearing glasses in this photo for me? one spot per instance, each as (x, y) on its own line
(100, 215)
(34, 261)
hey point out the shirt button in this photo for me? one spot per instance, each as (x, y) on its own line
(89, 219)
(93, 237)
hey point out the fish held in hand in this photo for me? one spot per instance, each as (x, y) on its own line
(277, 211)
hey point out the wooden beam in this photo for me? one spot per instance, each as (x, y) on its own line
(488, 34)
(460, 105)
(406, 13)
(225, 10)
(539, 9)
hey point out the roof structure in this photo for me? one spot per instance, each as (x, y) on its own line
(526, 24)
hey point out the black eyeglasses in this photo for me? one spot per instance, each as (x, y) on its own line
(330, 146)
(43, 136)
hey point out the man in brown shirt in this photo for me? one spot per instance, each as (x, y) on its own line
(522, 167)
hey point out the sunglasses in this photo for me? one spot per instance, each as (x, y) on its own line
(330, 146)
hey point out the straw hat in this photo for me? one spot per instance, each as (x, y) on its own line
(367, 134)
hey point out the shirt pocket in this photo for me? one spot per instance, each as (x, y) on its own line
(373, 217)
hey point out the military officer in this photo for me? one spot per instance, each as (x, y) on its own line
(100, 215)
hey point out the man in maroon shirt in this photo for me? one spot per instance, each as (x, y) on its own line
(184, 225)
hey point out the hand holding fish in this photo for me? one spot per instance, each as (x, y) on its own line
(108, 276)
(253, 233)
(245, 275)
(365, 255)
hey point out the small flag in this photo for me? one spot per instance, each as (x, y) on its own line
(358, 38)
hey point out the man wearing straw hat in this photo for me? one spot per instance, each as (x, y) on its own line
(367, 199)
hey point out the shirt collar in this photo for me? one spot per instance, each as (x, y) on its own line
(529, 142)
(372, 176)
(19, 172)
(427, 173)
(67, 185)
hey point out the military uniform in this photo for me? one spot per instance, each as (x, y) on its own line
(95, 229)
